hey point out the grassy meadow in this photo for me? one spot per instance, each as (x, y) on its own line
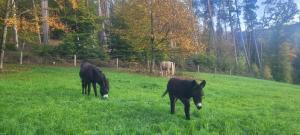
(48, 100)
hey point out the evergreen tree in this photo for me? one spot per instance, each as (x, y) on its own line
(277, 13)
(285, 68)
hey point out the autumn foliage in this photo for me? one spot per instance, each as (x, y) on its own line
(172, 23)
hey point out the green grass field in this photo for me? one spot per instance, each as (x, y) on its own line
(48, 100)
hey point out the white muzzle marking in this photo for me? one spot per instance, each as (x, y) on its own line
(199, 105)
(105, 96)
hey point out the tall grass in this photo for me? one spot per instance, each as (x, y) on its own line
(48, 100)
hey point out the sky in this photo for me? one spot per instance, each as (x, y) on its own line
(261, 7)
(260, 12)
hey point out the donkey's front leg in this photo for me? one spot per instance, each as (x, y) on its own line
(186, 108)
(95, 88)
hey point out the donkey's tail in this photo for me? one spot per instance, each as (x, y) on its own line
(164, 93)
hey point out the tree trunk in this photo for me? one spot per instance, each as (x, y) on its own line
(211, 27)
(36, 20)
(257, 52)
(15, 28)
(45, 27)
(153, 65)
(151, 37)
(261, 54)
(4, 34)
(99, 11)
(102, 34)
(233, 38)
(87, 3)
(241, 36)
(107, 3)
(225, 22)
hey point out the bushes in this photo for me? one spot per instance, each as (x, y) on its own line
(44, 50)
(205, 62)
(267, 73)
(85, 48)
(255, 70)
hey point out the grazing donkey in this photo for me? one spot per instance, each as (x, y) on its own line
(184, 90)
(90, 74)
(167, 67)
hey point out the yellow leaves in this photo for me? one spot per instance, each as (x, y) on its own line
(21, 24)
(10, 21)
(27, 25)
(172, 20)
(74, 4)
(55, 23)
(60, 3)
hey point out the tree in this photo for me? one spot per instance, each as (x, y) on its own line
(296, 66)
(83, 23)
(240, 33)
(285, 69)
(206, 9)
(267, 73)
(15, 28)
(150, 25)
(103, 10)
(232, 20)
(36, 20)
(7, 12)
(45, 25)
(250, 18)
(277, 13)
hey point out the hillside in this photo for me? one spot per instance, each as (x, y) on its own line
(290, 33)
(48, 100)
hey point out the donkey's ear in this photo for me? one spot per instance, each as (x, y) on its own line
(194, 83)
(202, 84)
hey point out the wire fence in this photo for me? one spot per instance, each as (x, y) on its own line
(14, 57)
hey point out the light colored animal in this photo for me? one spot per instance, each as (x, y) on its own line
(167, 68)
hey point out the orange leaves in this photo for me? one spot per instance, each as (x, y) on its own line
(21, 24)
(27, 25)
(10, 21)
(173, 23)
(55, 23)
(74, 4)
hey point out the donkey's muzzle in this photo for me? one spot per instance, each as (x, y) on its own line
(199, 106)
(105, 96)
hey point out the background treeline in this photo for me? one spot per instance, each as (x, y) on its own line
(210, 35)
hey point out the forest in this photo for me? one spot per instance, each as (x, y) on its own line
(243, 37)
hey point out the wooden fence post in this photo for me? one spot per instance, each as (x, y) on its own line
(75, 60)
(215, 70)
(117, 63)
(21, 55)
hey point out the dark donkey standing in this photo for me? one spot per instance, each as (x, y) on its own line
(184, 90)
(90, 74)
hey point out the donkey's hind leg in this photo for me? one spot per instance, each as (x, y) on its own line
(89, 88)
(95, 88)
(83, 87)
